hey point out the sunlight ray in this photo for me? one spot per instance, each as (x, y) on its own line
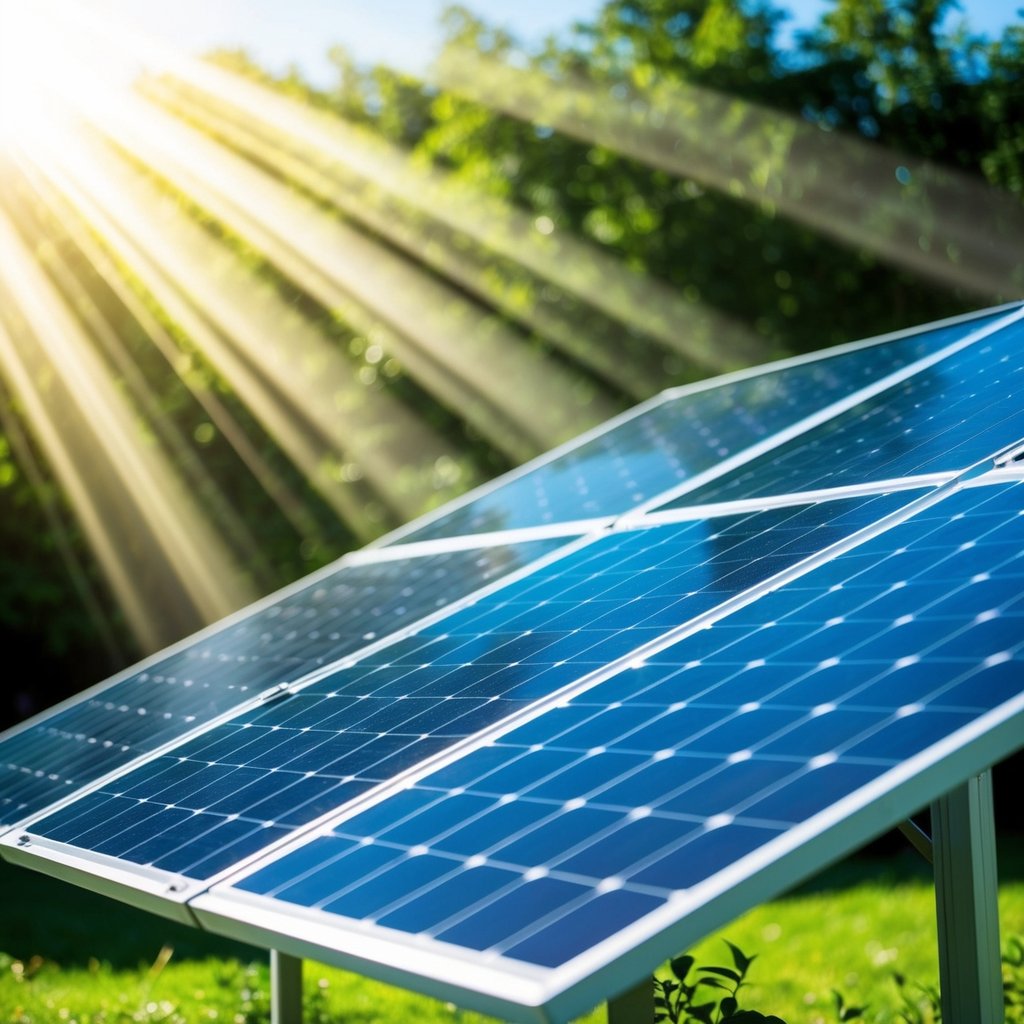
(696, 332)
(577, 328)
(343, 150)
(543, 402)
(937, 222)
(238, 322)
(108, 341)
(144, 508)
(223, 421)
(48, 501)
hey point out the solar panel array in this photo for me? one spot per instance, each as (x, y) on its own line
(518, 769)
(277, 642)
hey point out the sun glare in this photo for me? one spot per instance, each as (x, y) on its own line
(46, 71)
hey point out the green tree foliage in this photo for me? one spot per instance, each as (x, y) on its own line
(877, 97)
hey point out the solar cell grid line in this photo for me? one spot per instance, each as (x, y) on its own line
(682, 433)
(281, 639)
(207, 805)
(929, 423)
(560, 861)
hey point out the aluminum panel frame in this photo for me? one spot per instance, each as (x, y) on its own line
(617, 964)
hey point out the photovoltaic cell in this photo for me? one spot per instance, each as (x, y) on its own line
(230, 791)
(957, 412)
(537, 846)
(685, 435)
(330, 617)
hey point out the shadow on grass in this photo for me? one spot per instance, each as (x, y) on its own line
(44, 917)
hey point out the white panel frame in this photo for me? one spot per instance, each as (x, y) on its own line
(158, 892)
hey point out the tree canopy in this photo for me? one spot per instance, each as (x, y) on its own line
(662, 193)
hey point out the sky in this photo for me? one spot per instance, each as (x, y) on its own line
(402, 33)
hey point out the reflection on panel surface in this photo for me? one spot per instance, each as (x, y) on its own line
(945, 418)
(230, 791)
(673, 441)
(585, 819)
(322, 621)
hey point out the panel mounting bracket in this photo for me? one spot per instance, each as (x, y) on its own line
(967, 905)
(285, 988)
(918, 839)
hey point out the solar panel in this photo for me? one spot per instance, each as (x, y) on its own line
(681, 434)
(278, 641)
(528, 794)
(233, 789)
(928, 423)
(611, 819)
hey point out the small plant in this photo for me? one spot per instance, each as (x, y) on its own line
(675, 1000)
(846, 1013)
(1013, 980)
(920, 1004)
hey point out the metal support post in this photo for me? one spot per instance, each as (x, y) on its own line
(967, 905)
(633, 1007)
(285, 988)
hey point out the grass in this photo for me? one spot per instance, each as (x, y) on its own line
(70, 957)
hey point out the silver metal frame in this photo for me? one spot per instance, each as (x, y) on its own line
(285, 988)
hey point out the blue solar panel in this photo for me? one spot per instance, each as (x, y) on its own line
(520, 784)
(230, 791)
(671, 442)
(331, 616)
(931, 422)
(631, 796)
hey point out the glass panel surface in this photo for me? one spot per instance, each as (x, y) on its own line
(666, 445)
(227, 793)
(958, 412)
(330, 617)
(582, 821)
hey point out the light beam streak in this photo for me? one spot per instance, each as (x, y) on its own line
(940, 223)
(342, 150)
(291, 379)
(140, 516)
(289, 503)
(430, 321)
(47, 239)
(623, 357)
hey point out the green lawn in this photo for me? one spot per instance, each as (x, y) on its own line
(71, 957)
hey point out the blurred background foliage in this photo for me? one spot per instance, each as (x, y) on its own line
(430, 281)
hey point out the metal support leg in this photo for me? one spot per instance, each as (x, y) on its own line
(633, 1007)
(966, 898)
(285, 988)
